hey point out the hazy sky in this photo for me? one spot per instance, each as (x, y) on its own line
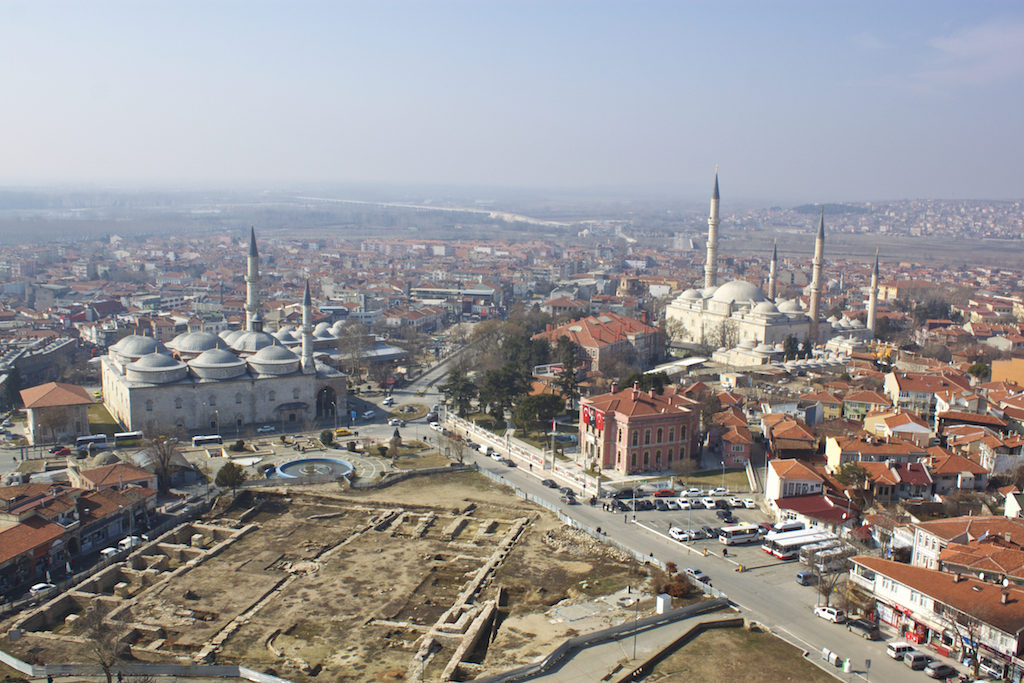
(796, 101)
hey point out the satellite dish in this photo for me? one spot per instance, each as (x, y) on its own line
(1006, 582)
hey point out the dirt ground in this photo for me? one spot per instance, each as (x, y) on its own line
(738, 655)
(337, 585)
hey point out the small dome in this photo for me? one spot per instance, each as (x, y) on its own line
(738, 290)
(765, 307)
(230, 336)
(155, 361)
(136, 346)
(286, 328)
(195, 342)
(789, 306)
(856, 323)
(337, 327)
(273, 354)
(215, 357)
(286, 336)
(764, 348)
(690, 295)
(251, 342)
(747, 344)
(323, 331)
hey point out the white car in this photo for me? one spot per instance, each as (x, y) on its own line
(395, 422)
(41, 588)
(709, 503)
(694, 492)
(836, 616)
(685, 505)
(436, 426)
(672, 505)
(677, 533)
(720, 491)
(697, 575)
(388, 401)
(749, 504)
(735, 502)
(266, 429)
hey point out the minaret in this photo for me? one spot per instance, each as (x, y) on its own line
(307, 333)
(819, 253)
(252, 277)
(771, 271)
(711, 264)
(873, 297)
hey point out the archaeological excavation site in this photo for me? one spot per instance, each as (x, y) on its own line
(446, 577)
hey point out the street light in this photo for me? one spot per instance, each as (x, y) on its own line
(334, 409)
(723, 471)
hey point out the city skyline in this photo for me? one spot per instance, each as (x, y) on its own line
(796, 101)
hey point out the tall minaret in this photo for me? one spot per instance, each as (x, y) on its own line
(819, 254)
(771, 271)
(252, 277)
(711, 265)
(873, 297)
(307, 333)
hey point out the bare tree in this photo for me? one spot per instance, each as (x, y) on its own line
(107, 641)
(968, 628)
(163, 445)
(353, 342)
(457, 449)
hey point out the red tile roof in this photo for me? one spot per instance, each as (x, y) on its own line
(54, 394)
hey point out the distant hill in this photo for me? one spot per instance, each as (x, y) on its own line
(830, 209)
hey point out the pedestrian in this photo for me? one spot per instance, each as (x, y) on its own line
(725, 552)
(625, 519)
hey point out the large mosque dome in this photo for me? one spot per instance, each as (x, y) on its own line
(738, 290)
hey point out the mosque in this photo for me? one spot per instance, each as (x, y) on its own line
(228, 383)
(747, 326)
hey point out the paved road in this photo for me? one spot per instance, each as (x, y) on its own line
(765, 592)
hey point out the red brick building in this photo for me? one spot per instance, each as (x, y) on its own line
(635, 431)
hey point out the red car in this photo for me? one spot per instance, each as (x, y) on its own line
(63, 450)
(664, 493)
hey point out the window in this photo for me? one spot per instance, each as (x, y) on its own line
(672, 434)
(271, 396)
(682, 432)
(149, 406)
(657, 459)
(659, 435)
(647, 436)
(238, 399)
(647, 458)
(632, 459)
(177, 403)
(212, 401)
(636, 438)
(737, 448)
(295, 394)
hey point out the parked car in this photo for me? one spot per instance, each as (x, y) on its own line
(496, 456)
(660, 505)
(620, 506)
(369, 414)
(508, 462)
(266, 429)
(342, 431)
(694, 492)
(549, 483)
(722, 504)
(664, 493)
(708, 532)
(395, 422)
(435, 426)
(677, 533)
(41, 588)
(865, 629)
(388, 400)
(129, 542)
(735, 502)
(63, 450)
(833, 614)
(720, 491)
(697, 575)
(109, 552)
(685, 505)
(749, 503)
(644, 505)
(940, 670)
(672, 505)
(709, 503)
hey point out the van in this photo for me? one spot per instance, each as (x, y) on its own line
(897, 649)
(917, 660)
(806, 578)
(129, 542)
(783, 527)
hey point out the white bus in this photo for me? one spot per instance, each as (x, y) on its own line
(772, 536)
(127, 436)
(738, 533)
(207, 440)
(808, 551)
(789, 548)
(93, 441)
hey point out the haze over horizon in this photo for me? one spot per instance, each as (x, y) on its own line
(796, 101)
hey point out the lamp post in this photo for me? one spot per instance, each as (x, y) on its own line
(334, 409)
(723, 471)
(216, 421)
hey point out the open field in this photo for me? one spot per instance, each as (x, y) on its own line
(736, 654)
(321, 583)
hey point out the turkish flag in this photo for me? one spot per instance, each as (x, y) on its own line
(586, 415)
(599, 423)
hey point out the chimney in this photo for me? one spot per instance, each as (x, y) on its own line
(956, 578)
(1004, 598)
(1007, 536)
(615, 387)
(651, 393)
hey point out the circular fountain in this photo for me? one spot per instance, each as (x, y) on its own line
(311, 467)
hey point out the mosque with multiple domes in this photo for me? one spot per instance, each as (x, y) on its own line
(227, 383)
(739, 316)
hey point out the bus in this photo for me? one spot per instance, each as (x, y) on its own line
(207, 440)
(784, 527)
(121, 437)
(738, 533)
(809, 551)
(788, 548)
(772, 536)
(91, 442)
